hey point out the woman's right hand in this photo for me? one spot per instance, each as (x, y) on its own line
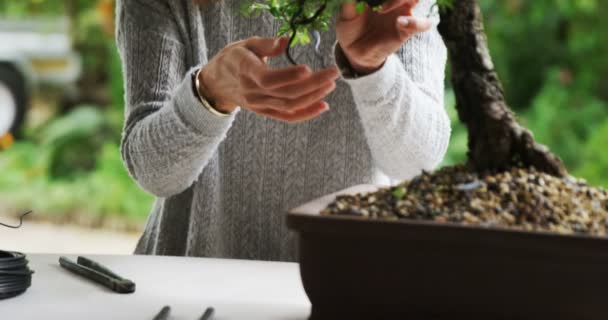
(239, 76)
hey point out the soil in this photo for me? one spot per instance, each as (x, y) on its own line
(522, 198)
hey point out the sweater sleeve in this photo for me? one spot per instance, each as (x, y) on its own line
(401, 106)
(168, 135)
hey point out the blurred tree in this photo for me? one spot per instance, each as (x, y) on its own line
(531, 38)
(92, 36)
(89, 32)
(593, 151)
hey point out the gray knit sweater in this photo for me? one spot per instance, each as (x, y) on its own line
(223, 185)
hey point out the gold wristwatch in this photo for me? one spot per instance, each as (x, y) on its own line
(196, 85)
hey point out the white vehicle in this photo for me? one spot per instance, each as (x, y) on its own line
(32, 53)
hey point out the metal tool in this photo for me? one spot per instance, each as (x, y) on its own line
(94, 271)
(163, 314)
(208, 314)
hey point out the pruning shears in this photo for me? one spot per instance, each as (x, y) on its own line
(95, 271)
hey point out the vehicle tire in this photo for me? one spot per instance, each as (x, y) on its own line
(13, 100)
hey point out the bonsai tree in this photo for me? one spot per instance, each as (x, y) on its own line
(496, 140)
(302, 17)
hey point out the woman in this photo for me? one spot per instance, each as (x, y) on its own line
(228, 157)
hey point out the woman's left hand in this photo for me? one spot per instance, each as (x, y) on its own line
(367, 39)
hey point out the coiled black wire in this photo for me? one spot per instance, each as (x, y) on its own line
(15, 275)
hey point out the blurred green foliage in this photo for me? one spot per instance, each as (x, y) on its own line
(29, 8)
(596, 157)
(73, 166)
(551, 56)
(565, 118)
(73, 142)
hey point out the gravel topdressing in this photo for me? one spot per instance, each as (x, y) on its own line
(520, 198)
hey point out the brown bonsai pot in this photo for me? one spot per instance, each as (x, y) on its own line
(354, 268)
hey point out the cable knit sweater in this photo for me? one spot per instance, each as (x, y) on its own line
(224, 185)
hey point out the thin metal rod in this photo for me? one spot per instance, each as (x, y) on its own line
(20, 221)
(431, 10)
(208, 314)
(163, 314)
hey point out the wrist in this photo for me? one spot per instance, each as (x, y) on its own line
(210, 95)
(363, 70)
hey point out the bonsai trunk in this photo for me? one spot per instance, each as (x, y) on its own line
(496, 140)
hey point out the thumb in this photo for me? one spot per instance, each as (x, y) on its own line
(408, 26)
(267, 47)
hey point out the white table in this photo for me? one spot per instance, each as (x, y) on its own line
(236, 289)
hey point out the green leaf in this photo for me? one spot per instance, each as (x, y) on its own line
(260, 6)
(246, 8)
(284, 28)
(360, 7)
(445, 4)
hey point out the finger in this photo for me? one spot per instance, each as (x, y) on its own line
(310, 98)
(297, 89)
(266, 47)
(407, 26)
(263, 101)
(267, 78)
(391, 5)
(348, 11)
(298, 116)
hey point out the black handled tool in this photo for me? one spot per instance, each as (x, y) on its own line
(163, 314)
(208, 314)
(94, 271)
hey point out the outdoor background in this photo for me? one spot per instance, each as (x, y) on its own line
(551, 56)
